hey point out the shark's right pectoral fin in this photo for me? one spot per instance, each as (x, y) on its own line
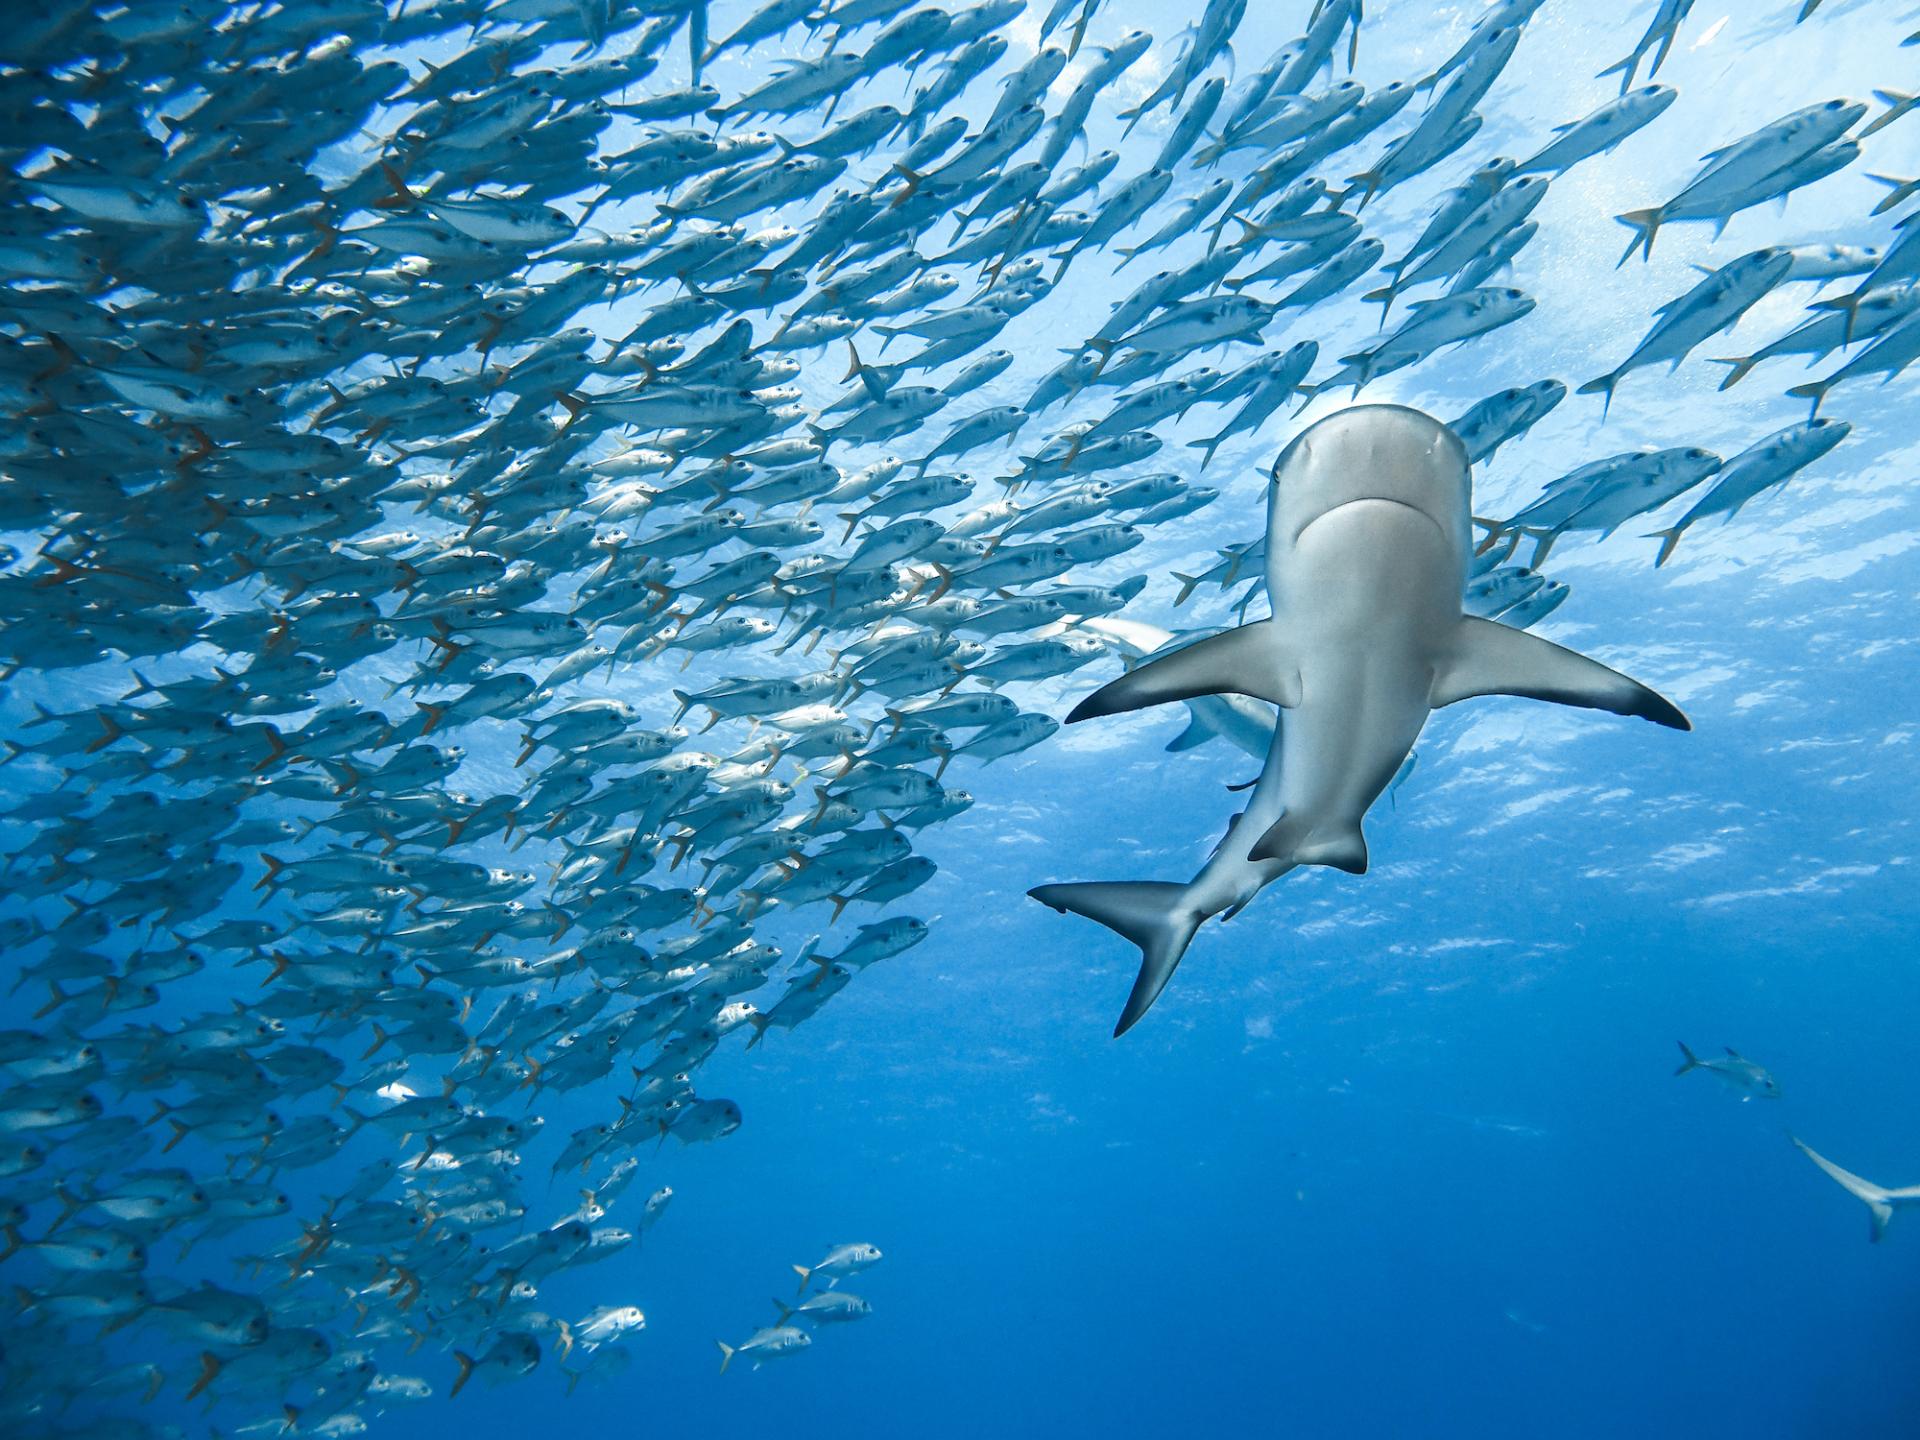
(1250, 660)
(1879, 1206)
(1488, 658)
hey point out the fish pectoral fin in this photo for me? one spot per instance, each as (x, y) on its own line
(1248, 660)
(1489, 658)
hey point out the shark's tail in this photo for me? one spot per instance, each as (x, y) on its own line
(1149, 913)
(1878, 1204)
(1691, 1062)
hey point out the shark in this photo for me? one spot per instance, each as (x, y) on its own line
(1368, 545)
(1880, 1201)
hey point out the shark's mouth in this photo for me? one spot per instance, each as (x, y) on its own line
(1369, 500)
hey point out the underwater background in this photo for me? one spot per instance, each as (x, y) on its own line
(1399, 1154)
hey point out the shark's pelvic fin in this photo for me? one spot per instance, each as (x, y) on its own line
(1150, 913)
(1250, 660)
(1493, 659)
(1341, 848)
(1875, 1197)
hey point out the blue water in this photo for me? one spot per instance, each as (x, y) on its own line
(1400, 1155)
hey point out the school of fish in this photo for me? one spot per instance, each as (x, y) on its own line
(404, 392)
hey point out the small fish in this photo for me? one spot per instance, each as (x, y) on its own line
(1735, 1071)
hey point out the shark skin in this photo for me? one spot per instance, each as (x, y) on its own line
(1368, 543)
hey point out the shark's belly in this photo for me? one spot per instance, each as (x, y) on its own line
(1368, 593)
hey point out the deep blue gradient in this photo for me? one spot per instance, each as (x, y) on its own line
(1400, 1155)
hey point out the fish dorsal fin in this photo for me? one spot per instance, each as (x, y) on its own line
(1249, 660)
(1488, 658)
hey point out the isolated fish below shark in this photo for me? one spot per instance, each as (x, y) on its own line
(1368, 542)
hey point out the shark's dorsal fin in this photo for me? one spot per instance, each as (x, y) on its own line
(1489, 658)
(1248, 660)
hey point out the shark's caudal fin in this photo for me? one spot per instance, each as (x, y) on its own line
(1249, 660)
(1879, 1206)
(1494, 659)
(1691, 1062)
(1149, 913)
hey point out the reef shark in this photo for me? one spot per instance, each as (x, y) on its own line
(1368, 542)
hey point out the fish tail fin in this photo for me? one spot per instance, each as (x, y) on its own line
(209, 1367)
(1206, 448)
(1602, 385)
(1668, 538)
(1624, 70)
(274, 865)
(110, 731)
(1742, 365)
(1366, 182)
(726, 1355)
(805, 1272)
(465, 1362)
(1814, 390)
(1900, 191)
(1645, 224)
(786, 1310)
(402, 194)
(1690, 1061)
(1147, 912)
(1898, 103)
(1188, 584)
(1849, 303)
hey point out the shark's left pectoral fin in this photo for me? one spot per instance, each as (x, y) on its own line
(1249, 660)
(1488, 658)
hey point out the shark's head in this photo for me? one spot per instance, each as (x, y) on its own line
(1370, 452)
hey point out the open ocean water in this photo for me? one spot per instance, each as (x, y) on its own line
(1400, 1154)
